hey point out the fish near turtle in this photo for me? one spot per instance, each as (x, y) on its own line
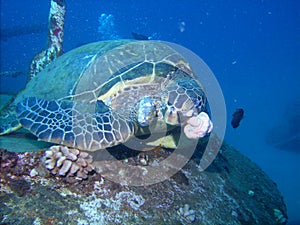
(102, 94)
(237, 116)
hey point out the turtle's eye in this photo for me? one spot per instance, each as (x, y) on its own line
(197, 103)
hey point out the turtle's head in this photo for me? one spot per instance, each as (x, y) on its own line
(184, 98)
(175, 116)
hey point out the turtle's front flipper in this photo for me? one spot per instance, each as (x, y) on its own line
(69, 123)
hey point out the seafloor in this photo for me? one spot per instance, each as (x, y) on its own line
(232, 190)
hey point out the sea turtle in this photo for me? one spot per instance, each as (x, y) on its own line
(101, 94)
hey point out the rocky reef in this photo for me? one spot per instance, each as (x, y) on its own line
(232, 190)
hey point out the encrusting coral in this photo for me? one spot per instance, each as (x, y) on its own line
(186, 214)
(64, 161)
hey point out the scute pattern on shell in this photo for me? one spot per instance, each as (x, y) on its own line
(64, 161)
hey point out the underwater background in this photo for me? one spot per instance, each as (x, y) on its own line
(253, 48)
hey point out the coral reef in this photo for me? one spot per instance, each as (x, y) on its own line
(8, 159)
(20, 186)
(232, 190)
(55, 38)
(280, 218)
(64, 161)
(186, 214)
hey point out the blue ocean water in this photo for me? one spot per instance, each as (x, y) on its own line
(253, 48)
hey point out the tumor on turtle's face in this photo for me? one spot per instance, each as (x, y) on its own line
(198, 126)
(146, 111)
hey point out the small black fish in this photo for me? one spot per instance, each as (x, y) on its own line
(139, 36)
(237, 116)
